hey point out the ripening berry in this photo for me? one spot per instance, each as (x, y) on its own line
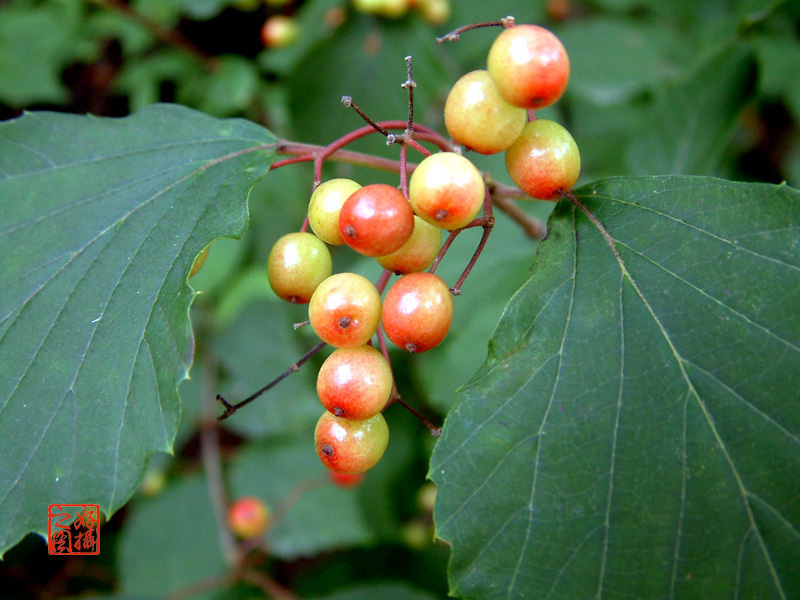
(544, 161)
(297, 263)
(446, 190)
(355, 383)
(435, 12)
(477, 116)
(417, 311)
(345, 310)
(417, 253)
(348, 446)
(280, 31)
(529, 65)
(324, 207)
(248, 517)
(376, 220)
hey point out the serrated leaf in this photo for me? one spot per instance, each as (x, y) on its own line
(635, 432)
(100, 222)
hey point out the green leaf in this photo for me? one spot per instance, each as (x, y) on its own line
(100, 222)
(371, 591)
(615, 59)
(36, 43)
(171, 542)
(288, 474)
(688, 129)
(635, 431)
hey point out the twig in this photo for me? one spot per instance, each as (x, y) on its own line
(455, 35)
(168, 35)
(230, 409)
(348, 102)
(212, 462)
(435, 431)
(487, 222)
(532, 226)
(266, 584)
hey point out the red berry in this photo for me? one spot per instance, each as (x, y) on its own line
(417, 311)
(280, 31)
(346, 480)
(248, 517)
(297, 263)
(348, 446)
(477, 116)
(345, 310)
(529, 65)
(544, 161)
(446, 190)
(355, 383)
(376, 220)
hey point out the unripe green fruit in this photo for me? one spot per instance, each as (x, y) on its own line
(348, 446)
(297, 263)
(345, 310)
(355, 383)
(417, 311)
(324, 208)
(477, 116)
(544, 161)
(446, 190)
(529, 65)
(418, 252)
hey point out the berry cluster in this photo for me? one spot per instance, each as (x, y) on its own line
(401, 227)
(345, 310)
(491, 110)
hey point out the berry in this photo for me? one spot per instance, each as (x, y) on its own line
(529, 65)
(348, 446)
(324, 207)
(248, 517)
(417, 311)
(297, 263)
(376, 220)
(346, 480)
(477, 116)
(544, 161)
(345, 310)
(280, 31)
(199, 262)
(355, 383)
(392, 9)
(446, 190)
(418, 252)
(435, 12)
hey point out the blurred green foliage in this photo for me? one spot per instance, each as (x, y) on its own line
(658, 86)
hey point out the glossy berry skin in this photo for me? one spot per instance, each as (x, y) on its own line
(417, 253)
(376, 220)
(544, 161)
(248, 517)
(477, 116)
(446, 190)
(354, 383)
(529, 65)
(345, 480)
(297, 264)
(345, 310)
(346, 446)
(324, 208)
(417, 311)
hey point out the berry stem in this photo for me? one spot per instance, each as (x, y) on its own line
(348, 102)
(455, 35)
(487, 222)
(230, 409)
(435, 431)
(410, 84)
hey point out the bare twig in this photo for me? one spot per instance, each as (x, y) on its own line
(455, 35)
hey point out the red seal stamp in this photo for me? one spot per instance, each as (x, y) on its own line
(81, 536)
